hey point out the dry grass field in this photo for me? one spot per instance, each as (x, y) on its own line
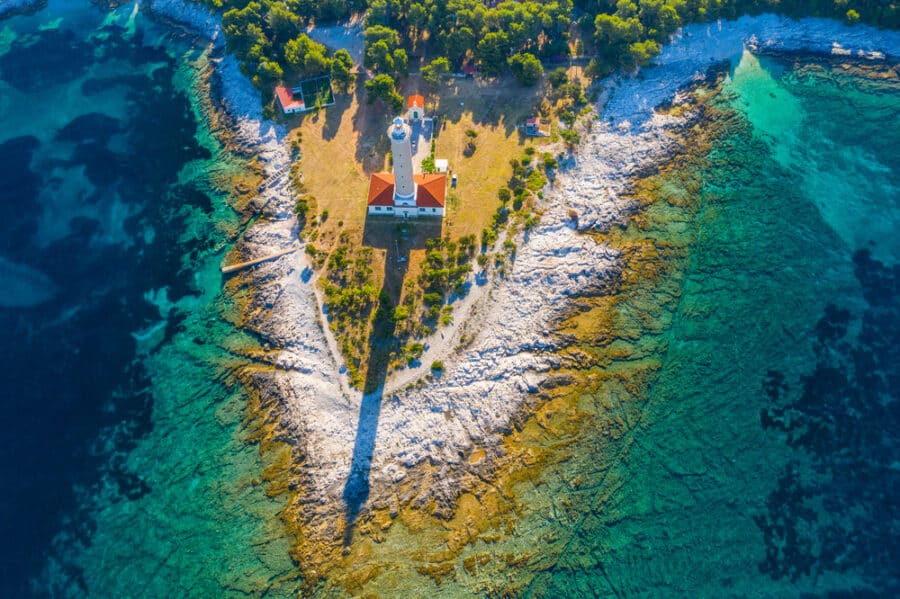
(343, 144)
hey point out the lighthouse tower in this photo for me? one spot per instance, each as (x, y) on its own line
(401, 150)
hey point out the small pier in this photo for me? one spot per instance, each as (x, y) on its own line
(227, 270)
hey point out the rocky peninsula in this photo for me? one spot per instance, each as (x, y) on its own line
(357, 458)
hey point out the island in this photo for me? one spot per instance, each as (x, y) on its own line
(402, 299)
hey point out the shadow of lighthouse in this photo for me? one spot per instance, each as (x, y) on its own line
(398, 238)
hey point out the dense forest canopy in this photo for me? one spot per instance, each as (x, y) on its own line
(440, 36)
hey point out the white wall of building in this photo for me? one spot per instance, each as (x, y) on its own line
(405, 212)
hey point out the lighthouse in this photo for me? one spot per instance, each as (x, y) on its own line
(403, 193)
(401, 150)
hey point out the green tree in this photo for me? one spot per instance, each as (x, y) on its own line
(642, 52)
(668, 19)
(379, 58)
(283, 23)
(526, 68)
(315, 63)
(401, 63)
(458, 43)
(380, 33)
(297, 52)
(557, 77)
(491, 52)
(268, 73)
(340, 70)
(417, 19)
(626, 9)
(382, 87)
(236, 23)
(612, 30)
(437, 68)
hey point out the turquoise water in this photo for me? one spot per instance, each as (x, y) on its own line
(124, 468)
(763, 461)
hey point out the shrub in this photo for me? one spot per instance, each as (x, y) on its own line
(557, 77)
(301, 207)
(571, 137)
(437, 366)
(413, 352)
(500, 217)
(536, 181)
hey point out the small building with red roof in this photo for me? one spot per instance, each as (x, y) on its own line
(309, 94)
(287, 100)
(415, 107)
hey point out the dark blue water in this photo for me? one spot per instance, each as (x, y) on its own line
(93, 135)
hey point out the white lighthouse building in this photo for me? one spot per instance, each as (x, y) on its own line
(401, 150)
(403, 193)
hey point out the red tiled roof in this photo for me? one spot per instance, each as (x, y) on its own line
(286, 98)
(532, 121)
(415, 100)
(430, 190)
(381, 189)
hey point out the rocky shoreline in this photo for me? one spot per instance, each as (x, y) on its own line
(423, 446)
